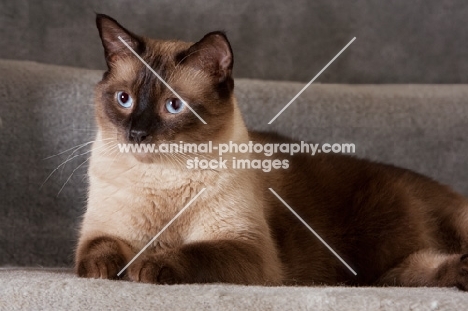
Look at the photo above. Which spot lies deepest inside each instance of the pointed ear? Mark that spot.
(110, 31)
(213, 54)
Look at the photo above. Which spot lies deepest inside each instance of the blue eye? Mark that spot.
(124, 99)
(174, 105)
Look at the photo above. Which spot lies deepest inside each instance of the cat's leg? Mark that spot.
(207, 262)
(429, 268)
(102, 257)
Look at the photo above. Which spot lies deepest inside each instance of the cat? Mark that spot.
(393, 226)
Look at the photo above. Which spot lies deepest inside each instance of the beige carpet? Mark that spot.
(35, 289)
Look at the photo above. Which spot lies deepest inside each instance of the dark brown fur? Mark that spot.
(393, 226)
(375, 216)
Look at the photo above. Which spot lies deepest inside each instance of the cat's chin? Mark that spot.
(148, 158)
(145, 158)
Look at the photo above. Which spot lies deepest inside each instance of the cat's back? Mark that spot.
(343, 174)
(373, 214)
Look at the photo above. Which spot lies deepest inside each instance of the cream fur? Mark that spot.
(132, 201)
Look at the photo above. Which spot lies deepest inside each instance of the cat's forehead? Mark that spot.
(161, 56)
(165, 58)
(169, 47)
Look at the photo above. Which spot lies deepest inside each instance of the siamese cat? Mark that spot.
(394, 227)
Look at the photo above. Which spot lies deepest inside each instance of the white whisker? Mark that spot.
(68, 160)
(72, 175)
(79, 146)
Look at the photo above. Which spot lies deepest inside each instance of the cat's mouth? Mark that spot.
(168, 154)
(145, 158)
(150, 152)
(143, 152)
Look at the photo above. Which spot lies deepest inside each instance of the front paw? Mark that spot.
(155, 269)
(100, 266)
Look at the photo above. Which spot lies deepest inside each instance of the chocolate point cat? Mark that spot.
(393, 226)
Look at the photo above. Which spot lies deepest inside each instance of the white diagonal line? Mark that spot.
(311, 81)
(160, 232)
(161, 79)
(312, 230)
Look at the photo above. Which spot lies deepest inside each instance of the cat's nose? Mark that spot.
(138, 136)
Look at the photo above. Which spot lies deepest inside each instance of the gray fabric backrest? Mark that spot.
(399, 41)
(47, 109)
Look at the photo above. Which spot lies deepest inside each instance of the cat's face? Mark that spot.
(134, 106)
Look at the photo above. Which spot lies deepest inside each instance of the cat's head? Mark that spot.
(134, 106)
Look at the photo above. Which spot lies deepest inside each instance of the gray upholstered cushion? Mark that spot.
(47, 109)
(58, 290)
